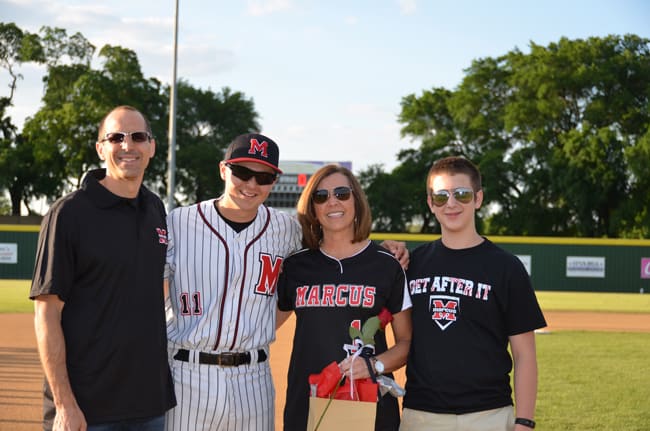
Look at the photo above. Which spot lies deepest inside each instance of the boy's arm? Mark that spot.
(525, 376)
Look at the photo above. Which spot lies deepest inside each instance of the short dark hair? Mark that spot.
(311, 230)
(100, 130)
(456, 165)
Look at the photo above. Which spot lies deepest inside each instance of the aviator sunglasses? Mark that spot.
(461, 194)
(341, 193)
(119, 137)
(245, 174)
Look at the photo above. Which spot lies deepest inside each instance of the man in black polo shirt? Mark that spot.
(98, 292)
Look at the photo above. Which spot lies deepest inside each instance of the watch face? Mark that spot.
(379, 366)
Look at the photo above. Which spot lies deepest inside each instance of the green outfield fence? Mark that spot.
(17, 250)
(554, 263)
(570, 264)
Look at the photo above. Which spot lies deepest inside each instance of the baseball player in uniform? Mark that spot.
(223, 262)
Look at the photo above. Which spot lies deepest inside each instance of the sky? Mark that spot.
(326, 76)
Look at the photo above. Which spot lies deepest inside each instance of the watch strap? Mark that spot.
(525, 422)
(371, 369)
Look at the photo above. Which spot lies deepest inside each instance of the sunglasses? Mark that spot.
(461, 194)
(245, 174)
(119, 137)
(341, 193)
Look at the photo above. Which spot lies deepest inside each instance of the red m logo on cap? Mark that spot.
(256, 147)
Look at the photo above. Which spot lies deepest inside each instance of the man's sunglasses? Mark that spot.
(119, 137)
(341, 193)
(461, 194)
(245, 174)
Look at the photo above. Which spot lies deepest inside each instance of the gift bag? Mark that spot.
(341, 415)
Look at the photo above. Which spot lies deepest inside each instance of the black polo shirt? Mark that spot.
(104, 256)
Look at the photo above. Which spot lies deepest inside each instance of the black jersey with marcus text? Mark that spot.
(328, 296)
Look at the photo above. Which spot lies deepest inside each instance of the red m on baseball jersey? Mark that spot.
(269, 273)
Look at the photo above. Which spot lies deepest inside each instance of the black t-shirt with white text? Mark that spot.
(466, 303)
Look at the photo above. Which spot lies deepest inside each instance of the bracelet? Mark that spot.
(525, 422)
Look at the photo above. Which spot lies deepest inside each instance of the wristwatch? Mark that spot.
(378, 365)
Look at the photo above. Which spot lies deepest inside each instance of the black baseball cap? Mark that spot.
(253, 147)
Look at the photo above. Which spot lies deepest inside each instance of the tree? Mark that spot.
(206, 123)
(57, 145)
(557, 133)
(62, 134)
(578, 105)
(634, 215)
(52, 132)
(77, 97)
(5, 206)
(18, 171)
(427, 118)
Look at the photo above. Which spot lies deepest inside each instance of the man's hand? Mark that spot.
(399, 250)
(69, 419)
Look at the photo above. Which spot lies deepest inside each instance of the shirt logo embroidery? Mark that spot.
(444, 309)
(162, 235)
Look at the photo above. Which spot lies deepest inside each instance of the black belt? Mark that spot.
(225, 359)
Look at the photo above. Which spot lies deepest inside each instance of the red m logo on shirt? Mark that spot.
(269, 273)
(444, 309)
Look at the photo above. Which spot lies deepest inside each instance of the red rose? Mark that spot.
(385, 317)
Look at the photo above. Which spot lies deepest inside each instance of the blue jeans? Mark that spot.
(148, 424)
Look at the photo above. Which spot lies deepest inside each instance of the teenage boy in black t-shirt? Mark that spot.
(470, 300)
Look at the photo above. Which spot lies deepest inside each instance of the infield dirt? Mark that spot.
(21, 376)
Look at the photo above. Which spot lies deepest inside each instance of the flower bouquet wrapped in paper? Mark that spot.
(337, 401)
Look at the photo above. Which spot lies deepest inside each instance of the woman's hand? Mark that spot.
(355, 368)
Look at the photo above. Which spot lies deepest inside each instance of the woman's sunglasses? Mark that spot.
(341, 193)
(245, 174)
(119, 137)
(461, 194)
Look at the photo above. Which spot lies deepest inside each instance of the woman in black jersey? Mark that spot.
(340, 279)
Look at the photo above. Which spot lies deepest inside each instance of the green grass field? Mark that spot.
(593, 381)
(587, 380)
(602, 302)
(14, 294)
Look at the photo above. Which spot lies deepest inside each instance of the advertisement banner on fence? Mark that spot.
(645, 267)
(8, 253)
(585, 266)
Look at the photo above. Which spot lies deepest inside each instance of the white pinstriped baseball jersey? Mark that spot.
(222, 283)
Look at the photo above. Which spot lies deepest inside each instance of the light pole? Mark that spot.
(171, 158)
